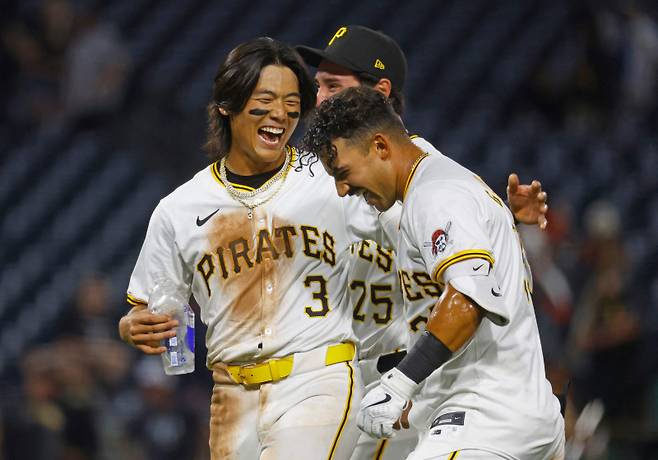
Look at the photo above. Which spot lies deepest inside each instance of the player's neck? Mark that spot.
(246, 165)
(409, 159)
(251, 180)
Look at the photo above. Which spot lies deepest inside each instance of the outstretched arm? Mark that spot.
(527, 202)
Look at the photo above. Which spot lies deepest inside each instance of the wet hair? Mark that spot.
(236, 79)
(396, 97)
(354, 114)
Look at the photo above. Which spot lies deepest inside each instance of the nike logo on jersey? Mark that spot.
(200, 222)
(385, 400)
(478, 267)
(495, 294)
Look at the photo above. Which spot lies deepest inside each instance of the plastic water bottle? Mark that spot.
(167, 299)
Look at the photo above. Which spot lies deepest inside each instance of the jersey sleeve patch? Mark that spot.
(450, 227)
(440, 240)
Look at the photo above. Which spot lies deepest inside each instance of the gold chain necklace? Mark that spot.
(412, 171)
(246, 199)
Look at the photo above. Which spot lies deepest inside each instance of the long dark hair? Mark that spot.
(236, 79)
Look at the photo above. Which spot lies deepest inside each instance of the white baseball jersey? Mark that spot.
(493, 393)
(376, 300)
(375, 289)
(267, 286)
(380, 326)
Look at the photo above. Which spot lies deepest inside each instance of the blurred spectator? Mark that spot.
(133, 416)
(640, 61)
(92, 370)
(605, 337)
(92, 317)
(32, 421)
(57, 405)
(36, 43)
(89, 328)
(165, 426)
(579, 83)
(604, 71)
(97, 64)
(79, 397)
(62, 62)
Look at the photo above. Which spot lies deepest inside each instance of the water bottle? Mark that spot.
(166, 298)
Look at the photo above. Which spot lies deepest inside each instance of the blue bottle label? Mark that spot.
(189, 337)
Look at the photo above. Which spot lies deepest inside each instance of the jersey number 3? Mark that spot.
(320, 294)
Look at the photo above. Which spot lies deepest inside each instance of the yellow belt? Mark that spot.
(280, 368)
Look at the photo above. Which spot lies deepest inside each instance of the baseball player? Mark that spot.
(355, 56)
(260, 247)
(481, 344)
(257, 240)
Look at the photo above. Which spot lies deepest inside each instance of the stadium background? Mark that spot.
(104, 112)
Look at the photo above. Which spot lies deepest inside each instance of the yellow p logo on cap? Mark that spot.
(339, 33)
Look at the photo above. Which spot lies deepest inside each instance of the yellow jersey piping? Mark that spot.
(458, 257)
(412, 173)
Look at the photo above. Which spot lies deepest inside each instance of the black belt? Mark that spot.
(387, 362)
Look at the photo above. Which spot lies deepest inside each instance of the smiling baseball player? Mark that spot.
(491, 397)
(256, 239)
(385, 324)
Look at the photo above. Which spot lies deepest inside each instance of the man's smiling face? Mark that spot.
(358, 168)
(262, 129)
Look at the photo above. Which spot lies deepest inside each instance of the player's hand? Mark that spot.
(527, 202)
(403, 421)
(145, 330)
(379, 411)
(386, 406)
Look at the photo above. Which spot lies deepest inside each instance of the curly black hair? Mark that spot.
(352, 114)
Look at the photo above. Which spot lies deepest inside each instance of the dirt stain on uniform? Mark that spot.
(224, 421)
(263, 398)
(255, 258)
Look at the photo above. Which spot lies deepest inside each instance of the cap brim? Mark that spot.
(311, 56)
(314, 56)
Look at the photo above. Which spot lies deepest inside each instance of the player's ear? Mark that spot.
(381, 145)
(384, 86)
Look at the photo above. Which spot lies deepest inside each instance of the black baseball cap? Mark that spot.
(361, 49)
